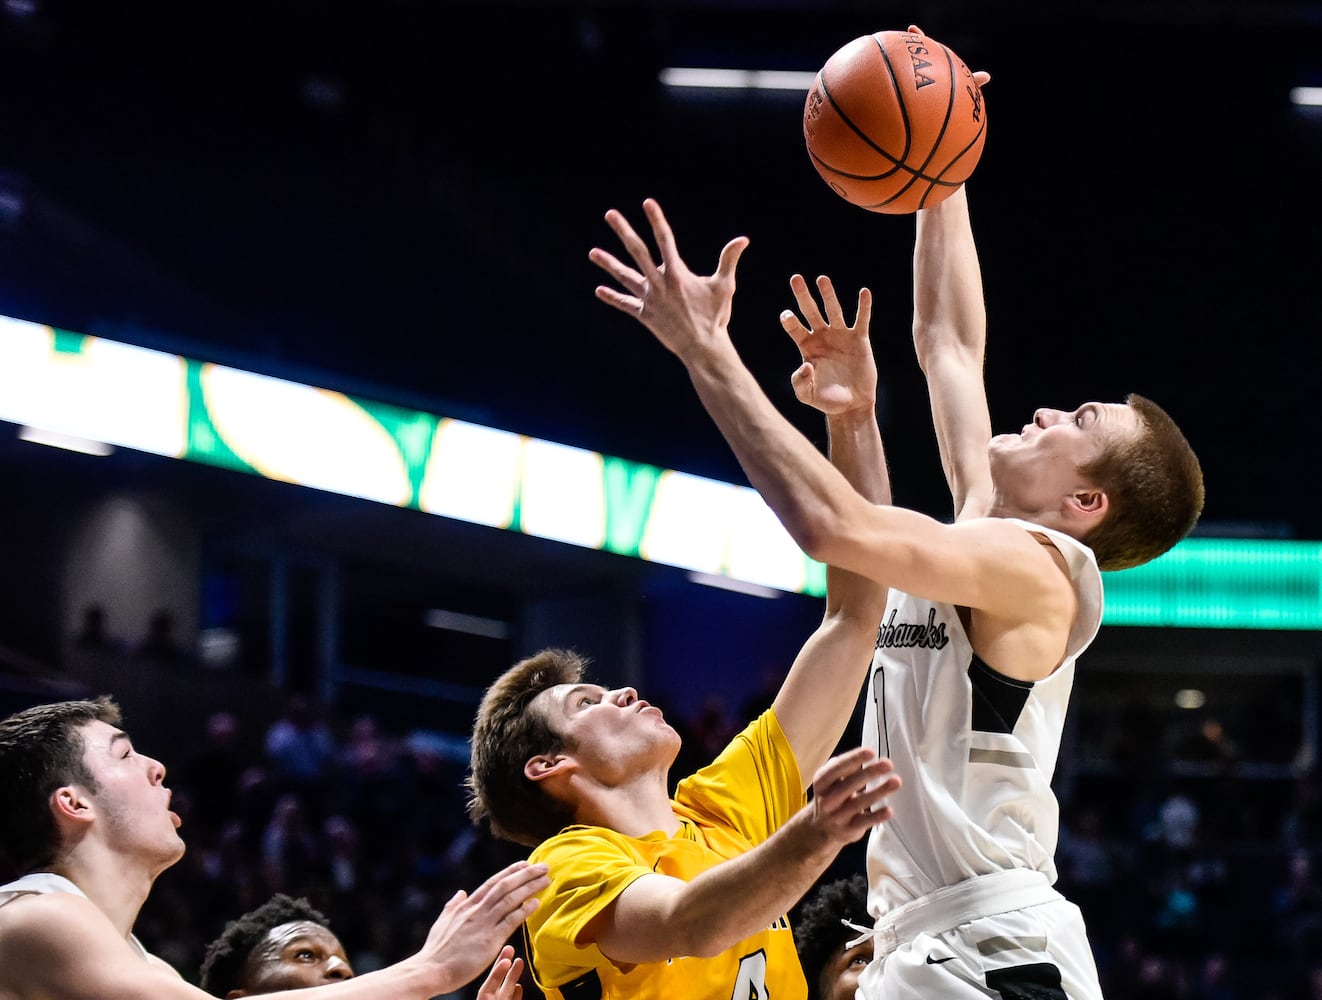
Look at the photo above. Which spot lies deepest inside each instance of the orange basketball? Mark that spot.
(894, 122)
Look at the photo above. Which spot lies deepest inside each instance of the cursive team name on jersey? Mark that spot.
(928, 634)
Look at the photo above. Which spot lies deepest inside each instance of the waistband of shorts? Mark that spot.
(952, 905)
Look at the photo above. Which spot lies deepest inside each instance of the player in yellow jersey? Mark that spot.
(653, 897)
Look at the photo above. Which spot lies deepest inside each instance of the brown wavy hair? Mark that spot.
(508, 733)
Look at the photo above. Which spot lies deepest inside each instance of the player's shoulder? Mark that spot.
(1002, 532)
(32, 916)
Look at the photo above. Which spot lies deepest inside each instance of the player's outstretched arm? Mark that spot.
(838, 376)
(63, 946)
(950, 338)
(688, 314)
(987, 567)
(659, 917)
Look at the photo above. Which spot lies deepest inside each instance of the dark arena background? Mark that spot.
(394, 201)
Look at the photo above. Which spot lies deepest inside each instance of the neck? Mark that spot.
(116, 885)
(634, 808)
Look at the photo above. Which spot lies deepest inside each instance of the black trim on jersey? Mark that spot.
(998, 700)
(1039, 981)
(585, 987)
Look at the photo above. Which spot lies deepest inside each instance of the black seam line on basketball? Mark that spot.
(904, 114)
(957, 157)
(932, 182)
(841, 173)
(930, 178)
(899, 98)
(945, 122)
(917, 173)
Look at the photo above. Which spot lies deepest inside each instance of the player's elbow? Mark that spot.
(816, 531)
(704, 946)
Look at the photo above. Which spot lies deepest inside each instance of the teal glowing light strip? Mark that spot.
(1222, 583)
(169, 405)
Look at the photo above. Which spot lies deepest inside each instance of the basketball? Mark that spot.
(894, 122)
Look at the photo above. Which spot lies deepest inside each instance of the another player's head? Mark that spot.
(821, 934)
(539, 729)
(67, 773)
(284, 944)
(1119, 476)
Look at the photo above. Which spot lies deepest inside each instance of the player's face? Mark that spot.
(1036, 468)
(613, 733)
(839, 976)
(132, 801)
(294, 956)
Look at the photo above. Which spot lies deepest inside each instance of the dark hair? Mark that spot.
(1154, 489)
(818, 931)
(223, 966)
(506, 735)
(42, 749)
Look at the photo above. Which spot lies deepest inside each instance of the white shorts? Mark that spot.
(1039, 952)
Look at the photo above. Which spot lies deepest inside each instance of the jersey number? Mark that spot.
(751, 983)
(879, 704)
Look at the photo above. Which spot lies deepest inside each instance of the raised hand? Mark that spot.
(838, 373)
(472, 929)
(849, 792)
(502, 982)
(981, 77)
(684, 310)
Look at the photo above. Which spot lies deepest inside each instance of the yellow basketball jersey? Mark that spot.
(725, 809)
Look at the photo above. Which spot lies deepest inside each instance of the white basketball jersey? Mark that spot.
(43, 882)
(976, 749)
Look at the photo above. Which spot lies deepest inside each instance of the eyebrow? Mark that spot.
(577, 688)
(119, 737)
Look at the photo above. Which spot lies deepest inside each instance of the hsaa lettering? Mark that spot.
(917, 46)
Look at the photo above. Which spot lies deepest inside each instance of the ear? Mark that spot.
(234, 994)
(1087, 505)
(544, 766)
(71, 803)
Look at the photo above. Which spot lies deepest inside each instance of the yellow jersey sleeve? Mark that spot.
(753, 787)
(589, 868)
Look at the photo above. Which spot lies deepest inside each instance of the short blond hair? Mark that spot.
(1154, 490)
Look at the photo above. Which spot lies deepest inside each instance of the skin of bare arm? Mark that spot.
(62, 946)
(987, 564)
(950, 339)
(838, 376)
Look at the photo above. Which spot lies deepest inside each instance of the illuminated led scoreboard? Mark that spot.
(100, 390)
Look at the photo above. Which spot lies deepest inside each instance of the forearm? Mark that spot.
(811, 498)
(407, 979)
(950, 335)
(857, 453)
(949, 311)
(732, 900)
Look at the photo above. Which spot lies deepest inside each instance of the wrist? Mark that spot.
(861, 417)
(813, 844)
(422, 977)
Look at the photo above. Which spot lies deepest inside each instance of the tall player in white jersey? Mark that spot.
(974, 666)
